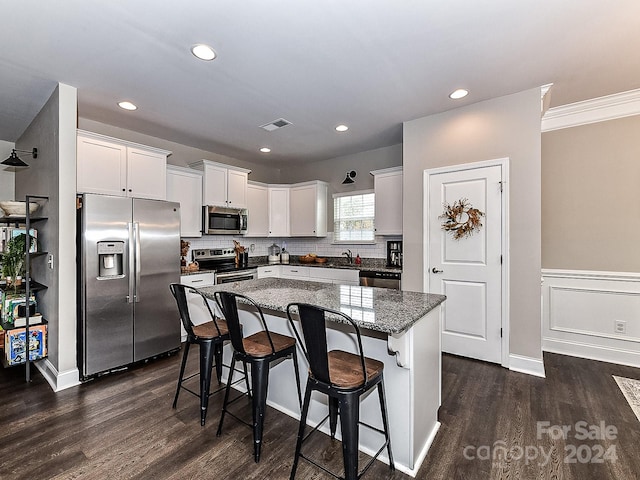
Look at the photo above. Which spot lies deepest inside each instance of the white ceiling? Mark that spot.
(371, 64)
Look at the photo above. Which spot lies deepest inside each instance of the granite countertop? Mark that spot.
(371, 264)
(381, 309)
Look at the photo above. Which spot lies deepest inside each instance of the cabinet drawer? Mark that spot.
(199, 280)
(272, 271)
(291, 271)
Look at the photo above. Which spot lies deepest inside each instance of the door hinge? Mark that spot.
(500, 333)
(501, 185)
(500, 259)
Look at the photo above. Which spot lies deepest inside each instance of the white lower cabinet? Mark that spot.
(293, 271)
(335, 275)
(272, 271)
(197, 309)
(341, 276)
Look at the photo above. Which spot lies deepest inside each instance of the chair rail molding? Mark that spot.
(582, 310)
(609, 107)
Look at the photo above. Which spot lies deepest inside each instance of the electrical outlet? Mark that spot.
(50, 260)
(620, 326)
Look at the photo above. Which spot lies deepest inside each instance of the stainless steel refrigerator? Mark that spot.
(129, 253)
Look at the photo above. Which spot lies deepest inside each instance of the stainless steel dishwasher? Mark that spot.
(372, 278)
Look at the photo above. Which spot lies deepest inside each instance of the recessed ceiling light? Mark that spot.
(265, 149)
(127, 105)
(459, 93)
(342, 128)
(203, 52)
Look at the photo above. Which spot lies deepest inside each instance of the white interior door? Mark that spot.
(468, 270)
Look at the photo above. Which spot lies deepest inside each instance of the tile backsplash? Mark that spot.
(294, 245)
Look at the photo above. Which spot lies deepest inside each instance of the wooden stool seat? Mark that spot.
(209, 330)
(345, 369)
(257, 345)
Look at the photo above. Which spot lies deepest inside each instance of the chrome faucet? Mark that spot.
(349, 255)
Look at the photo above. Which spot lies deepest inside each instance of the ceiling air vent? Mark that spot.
(275, 125)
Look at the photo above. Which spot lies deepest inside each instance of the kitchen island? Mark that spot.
(400, 329)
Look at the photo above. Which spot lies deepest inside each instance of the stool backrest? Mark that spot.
(179, 292)
(228, 304)
(314, 329)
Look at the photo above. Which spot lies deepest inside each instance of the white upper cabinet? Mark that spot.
(308, 209)
(184, 185)
(258, 210)
(223, 185)
(279, 211)
(387, 186)
(110, 166)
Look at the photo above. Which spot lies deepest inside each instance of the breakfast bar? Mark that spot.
(399, 328)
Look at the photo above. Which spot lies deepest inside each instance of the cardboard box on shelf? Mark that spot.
(15, 344)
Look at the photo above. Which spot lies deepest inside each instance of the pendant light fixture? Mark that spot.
(15, 161)
(349, 178)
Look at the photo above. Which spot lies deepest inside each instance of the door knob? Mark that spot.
(435, 270)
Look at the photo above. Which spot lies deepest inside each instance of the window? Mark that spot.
(353, 216)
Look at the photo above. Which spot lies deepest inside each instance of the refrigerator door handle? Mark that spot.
(132, 265)
(136, 230)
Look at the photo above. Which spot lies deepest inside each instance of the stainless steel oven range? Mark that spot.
(223, 262)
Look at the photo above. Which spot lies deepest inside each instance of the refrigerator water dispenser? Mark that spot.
(110, 256)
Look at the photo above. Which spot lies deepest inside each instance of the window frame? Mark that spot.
(353, 242)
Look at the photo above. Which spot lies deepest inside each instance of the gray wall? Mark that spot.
(334, 170)
(503, 127)
(7, 177)
(591, 195)
(52, 174)
(183, 155)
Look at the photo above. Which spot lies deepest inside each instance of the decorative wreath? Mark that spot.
(461, 219)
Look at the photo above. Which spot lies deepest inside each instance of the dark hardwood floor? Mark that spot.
(123, 426)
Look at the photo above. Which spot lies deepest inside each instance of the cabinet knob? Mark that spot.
(124, 189)
(129, 189)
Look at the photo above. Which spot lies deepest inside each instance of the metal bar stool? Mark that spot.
(210, 337)
(258, 350)
(344, 377)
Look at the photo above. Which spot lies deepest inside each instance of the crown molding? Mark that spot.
(610, 107)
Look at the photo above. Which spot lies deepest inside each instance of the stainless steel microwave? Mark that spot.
(221, 220)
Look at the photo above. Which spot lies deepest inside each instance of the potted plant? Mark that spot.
(13, 260)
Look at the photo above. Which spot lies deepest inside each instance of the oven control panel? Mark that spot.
(213, 254)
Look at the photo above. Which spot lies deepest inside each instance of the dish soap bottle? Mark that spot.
(358, 260)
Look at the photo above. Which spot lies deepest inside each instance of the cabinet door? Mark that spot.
(237, 189)
(279, 212)
(258, 208)
(102, 167)
(303, 211)
(186, 189)
(388, 193)
(308, 210)
(146, 174)
(215, 186)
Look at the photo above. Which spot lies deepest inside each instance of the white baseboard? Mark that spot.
(528, 365)
(421, 456)
(58, 381)
(592, 352)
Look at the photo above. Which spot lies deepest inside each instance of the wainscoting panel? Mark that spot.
(583, 312)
